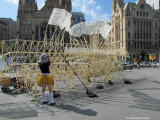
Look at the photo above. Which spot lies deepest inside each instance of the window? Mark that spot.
(137, 34)
(156, 25)
(150, 46)
(147, 34)
(129, 45)
(155, 45)
(134, 23)
(155, 36)
(134, 35)
(144, 35)
(140, 13)
(137, 13)
(138, 24)
(128, 23)
(146, 14)
(141, 45)
(128, 35)
(137, 45)
(64, 2)
(112, 39)
(113, 29)
(141, 35)
(134, 45)
(141, 24)
(147, 45)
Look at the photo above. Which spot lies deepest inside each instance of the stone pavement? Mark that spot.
(138, 101)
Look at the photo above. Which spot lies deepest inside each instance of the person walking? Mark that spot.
(45, 78)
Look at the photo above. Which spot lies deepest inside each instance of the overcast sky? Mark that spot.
(93, 9)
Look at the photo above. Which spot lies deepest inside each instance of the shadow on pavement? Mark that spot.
(16, 111)
(145, 101)
(87, 112)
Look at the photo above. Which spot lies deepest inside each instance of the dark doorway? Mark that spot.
(143, 55)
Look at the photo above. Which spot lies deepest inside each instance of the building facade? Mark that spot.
(135, 32)
(77, 17)
(32, 23)
(3, 30)
(11, 28)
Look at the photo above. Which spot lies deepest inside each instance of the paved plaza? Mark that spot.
(137, 101)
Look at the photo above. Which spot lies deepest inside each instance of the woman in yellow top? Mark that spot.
(45, 78)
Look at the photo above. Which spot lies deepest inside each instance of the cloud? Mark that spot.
(13, 1)
(98, 7)
(153, 2)
(90, 8)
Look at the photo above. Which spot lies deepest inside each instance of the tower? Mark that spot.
(64, 4)
(115, 3)
(26, 9)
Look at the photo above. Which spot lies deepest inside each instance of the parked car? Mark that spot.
(145, 64)
(127, 65)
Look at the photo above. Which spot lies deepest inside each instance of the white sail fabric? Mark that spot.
(90, 29)
(105, 31)
(61, 18)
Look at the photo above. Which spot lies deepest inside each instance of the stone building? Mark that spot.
(32, 23)
(135, 32)
(10, 28)
(3, 30)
